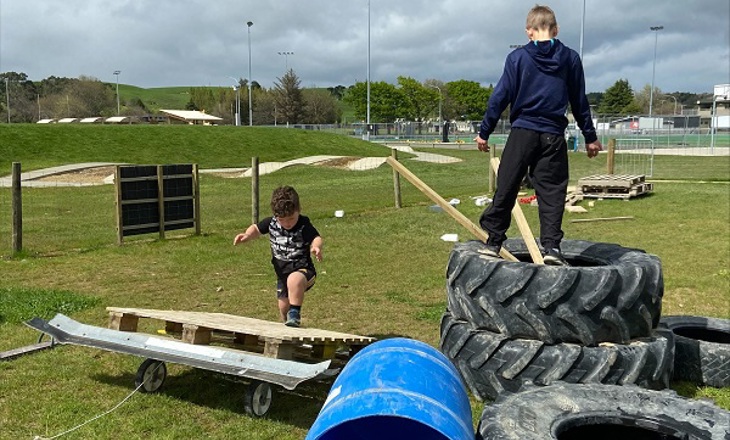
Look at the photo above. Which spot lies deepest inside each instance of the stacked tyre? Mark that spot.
(595, 322)
(549, 345)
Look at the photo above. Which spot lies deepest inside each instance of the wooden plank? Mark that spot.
(123, 322)
(522, 224)
(195, 334)
(278, 349)
(243, 325)
(446, 206)
(20, 351)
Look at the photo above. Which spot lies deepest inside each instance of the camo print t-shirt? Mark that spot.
(289, 247)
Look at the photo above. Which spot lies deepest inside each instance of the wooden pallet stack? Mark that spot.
(617, 186)
(271, 339)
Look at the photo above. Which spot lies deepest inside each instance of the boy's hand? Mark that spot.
(593, 148)
(317, 251)
(240, 238)
(482, 144)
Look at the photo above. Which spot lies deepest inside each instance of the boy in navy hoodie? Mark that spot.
(539, 80)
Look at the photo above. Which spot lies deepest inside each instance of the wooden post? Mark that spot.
(254, 190)
(161, 199)
(196, 198)
(446, 206)
(17, 208)
(492, 174)
(523, 226)
(611, 156)
(118, 188)
(396, 181)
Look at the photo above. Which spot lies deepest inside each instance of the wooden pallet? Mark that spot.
(272, 339)
(621, 186)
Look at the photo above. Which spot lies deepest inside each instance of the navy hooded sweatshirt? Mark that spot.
(540, 80)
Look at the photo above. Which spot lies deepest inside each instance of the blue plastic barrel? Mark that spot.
(396, 389)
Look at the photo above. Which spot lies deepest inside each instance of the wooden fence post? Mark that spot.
(161, 199)
(254, 190)
(611, 156)
(196, 198)
(396, 181)
(17, 208)
(492, 175)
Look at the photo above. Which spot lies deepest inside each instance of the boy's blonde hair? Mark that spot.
(542, 17)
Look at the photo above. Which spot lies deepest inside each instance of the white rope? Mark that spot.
(38, 437)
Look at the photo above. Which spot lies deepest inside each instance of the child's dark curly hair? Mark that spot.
(284, 201)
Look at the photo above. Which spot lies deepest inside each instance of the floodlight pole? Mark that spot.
(117, 72)
(237, 89)
(656, 30)
(250, 80)
(286, 59)
(367, 121)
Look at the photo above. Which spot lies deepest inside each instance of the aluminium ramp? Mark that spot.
(285, 373)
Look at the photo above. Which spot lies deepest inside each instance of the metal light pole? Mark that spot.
(250, 101)
(237, 88)
(286, 59)
(367, 128)
(656, 30)
(117, 72)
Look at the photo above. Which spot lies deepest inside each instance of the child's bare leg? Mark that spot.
(283, 308)
(296, 283)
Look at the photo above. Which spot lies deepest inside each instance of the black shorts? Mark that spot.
(283, 292)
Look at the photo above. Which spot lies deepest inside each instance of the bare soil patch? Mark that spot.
(86, 175)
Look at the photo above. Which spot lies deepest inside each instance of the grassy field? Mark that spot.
(158, 97)
(382, 274)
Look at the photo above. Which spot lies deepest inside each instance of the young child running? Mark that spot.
(540, 79)
(293, 239)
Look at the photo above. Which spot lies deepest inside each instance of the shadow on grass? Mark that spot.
(298, 407)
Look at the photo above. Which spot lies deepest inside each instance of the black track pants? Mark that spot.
(545, 155)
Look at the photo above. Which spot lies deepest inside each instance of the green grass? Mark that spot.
(382, 274)
(40, 146)
(156, 98)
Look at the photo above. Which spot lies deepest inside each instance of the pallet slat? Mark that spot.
(272, 338)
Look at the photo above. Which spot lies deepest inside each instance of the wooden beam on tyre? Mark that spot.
(522, 224)
(453, 212)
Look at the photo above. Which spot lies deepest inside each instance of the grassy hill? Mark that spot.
(158, 97)
(39, 146)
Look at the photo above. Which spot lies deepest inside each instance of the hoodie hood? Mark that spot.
(547, 55)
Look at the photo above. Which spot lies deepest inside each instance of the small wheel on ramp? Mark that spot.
(258, 398)
(150, 376)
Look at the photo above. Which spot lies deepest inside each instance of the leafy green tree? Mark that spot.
(203, 99)
(617, 98)
(420, 101)
(320, 107)
(467, 100)
(387, 103)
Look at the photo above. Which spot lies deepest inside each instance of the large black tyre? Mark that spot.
(609, 294)
(601, 412)
(492, 364)
(702, 349)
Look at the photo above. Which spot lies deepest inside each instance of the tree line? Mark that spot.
(288, 103)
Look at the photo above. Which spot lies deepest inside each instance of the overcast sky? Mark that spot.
(159, 43)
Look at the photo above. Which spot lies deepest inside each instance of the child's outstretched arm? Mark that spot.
(252, 233)
(316, 247)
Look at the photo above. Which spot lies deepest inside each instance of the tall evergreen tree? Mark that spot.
(289, 98)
